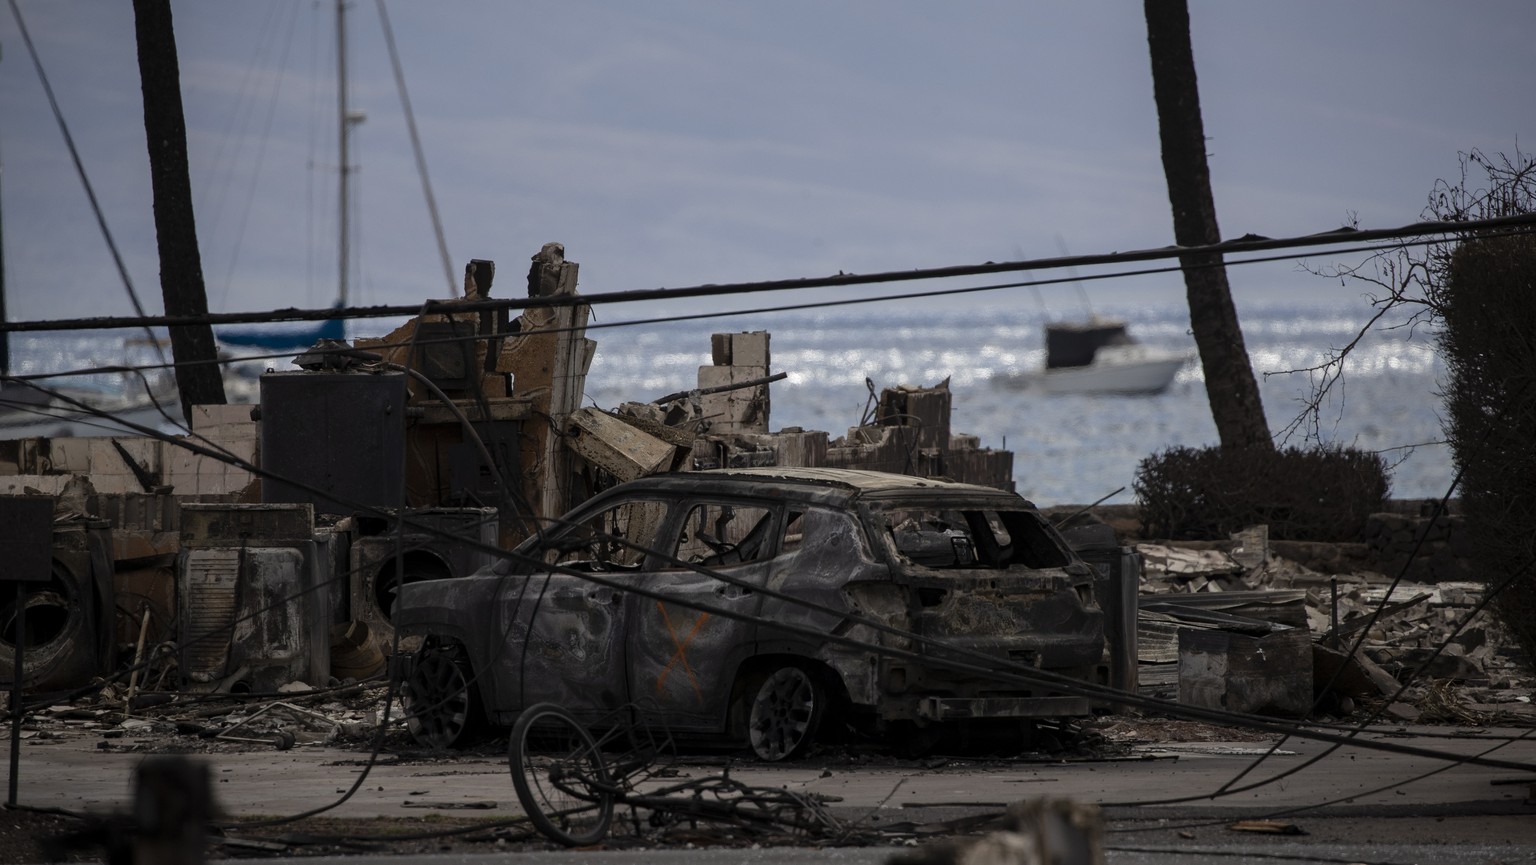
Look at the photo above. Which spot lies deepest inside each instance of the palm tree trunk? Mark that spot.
(181, 267)
(1229, 382)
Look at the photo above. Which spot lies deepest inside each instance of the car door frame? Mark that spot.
(670, 644)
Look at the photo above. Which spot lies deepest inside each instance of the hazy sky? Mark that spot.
(678, 143)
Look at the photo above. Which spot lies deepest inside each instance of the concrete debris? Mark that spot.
(1186, 590)
(622, 449)
(176, 571)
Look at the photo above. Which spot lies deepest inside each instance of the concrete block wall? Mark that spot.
(738, 357)
(222, 427)
(108, 468)
(45, 464)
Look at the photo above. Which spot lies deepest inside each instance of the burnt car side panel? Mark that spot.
(832, 552)
(681, 660)
(460, 611)
(952, 565)
(575, 645)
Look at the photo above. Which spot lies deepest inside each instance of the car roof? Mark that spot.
(829, 484)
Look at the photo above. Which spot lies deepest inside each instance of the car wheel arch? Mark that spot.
(755, 669)
(478, 717)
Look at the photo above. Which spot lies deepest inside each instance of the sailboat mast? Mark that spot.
(5, 336)
(343, 252)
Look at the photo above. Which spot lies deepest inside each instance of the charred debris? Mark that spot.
(263, 550)
(264, 559)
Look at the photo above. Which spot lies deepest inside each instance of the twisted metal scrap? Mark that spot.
(723, 800)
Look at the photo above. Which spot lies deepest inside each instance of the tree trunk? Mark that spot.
(181, 268)
(1229, 383)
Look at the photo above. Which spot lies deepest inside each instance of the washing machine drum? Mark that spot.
(61, 621)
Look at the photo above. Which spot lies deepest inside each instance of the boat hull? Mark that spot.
(1137, 377)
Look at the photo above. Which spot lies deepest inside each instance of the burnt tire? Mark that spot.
(60, 623)
(784, 713)
(442, 704)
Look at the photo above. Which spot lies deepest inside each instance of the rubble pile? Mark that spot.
(1470, 673)
(154, 723)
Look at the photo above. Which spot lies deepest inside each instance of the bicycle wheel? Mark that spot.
(560, 777)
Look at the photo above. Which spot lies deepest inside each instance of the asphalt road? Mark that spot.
(1462, 814)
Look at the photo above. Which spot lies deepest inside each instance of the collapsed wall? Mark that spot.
(724, 423)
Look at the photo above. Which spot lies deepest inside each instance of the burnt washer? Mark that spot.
(642, 609)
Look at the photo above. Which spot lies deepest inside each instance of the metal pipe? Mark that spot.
(138, 659)
(1333, 591)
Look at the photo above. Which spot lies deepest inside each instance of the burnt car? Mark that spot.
(738, 603)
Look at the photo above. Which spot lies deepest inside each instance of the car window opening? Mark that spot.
(716, 535)
(951, 539)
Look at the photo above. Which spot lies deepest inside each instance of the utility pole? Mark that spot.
(181, 269)
(1229, 383)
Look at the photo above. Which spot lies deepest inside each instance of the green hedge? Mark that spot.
(1313, 494)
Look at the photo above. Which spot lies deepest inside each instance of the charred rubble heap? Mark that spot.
(1263, 626)
(274, 563)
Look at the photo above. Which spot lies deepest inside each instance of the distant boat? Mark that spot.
(1099, 357)
(293, 337)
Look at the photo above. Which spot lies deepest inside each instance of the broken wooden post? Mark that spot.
(548, 357)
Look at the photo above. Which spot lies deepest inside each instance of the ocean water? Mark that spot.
(1068, 449)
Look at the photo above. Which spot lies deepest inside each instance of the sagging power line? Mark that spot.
(1248, 243)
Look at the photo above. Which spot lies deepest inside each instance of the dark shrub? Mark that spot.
(1313, 494)
(1486, 299)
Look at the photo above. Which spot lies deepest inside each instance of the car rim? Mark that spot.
(784, 714)
(437, 700)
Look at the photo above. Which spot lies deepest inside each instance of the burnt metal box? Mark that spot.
(1268, 675)
(445, 353)
(225, 524)
(26, 538)
(336, 440)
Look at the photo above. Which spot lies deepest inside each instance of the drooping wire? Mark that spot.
(1407, 236)
(85, 180)
(991, 668)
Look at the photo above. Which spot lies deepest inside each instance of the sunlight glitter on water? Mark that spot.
(1067, 449)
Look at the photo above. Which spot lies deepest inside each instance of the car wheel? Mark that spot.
(441, 703)
(785, 712)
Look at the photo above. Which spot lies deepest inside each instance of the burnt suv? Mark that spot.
(749, 603)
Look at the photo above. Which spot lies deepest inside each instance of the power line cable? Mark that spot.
(85, 180)
(1354, 649)
(1514, 224)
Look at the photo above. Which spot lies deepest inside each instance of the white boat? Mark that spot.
(1100, 357)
